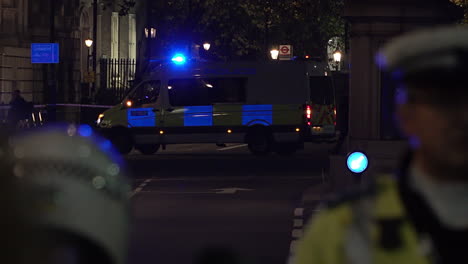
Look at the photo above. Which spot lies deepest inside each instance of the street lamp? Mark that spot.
(274, 54)
(150, 33)
(337, 58)
(206, 46)
(89, 44)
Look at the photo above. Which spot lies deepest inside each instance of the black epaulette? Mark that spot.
(352, 195)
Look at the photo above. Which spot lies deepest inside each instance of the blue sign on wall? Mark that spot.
(44, 53)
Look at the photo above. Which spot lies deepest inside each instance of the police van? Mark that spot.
(271, 106)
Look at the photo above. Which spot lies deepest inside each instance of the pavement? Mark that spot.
(193, 198)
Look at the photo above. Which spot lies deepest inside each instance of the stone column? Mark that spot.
(371, 127)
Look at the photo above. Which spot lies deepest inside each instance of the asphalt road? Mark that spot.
(191, 198)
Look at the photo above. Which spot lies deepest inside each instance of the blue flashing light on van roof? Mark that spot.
(179, 59)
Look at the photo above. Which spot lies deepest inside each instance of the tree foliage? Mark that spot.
(124, 6)
(248, 29)
(464, 5)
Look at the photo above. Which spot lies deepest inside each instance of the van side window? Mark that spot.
(188, 92)
(321, 90)
(227, 90)
(147, 93)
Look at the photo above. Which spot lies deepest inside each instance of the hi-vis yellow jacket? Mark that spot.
(352, 233)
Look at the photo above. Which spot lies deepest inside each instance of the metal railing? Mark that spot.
(117, 76)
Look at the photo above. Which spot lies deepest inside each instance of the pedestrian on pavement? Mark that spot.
(80, 195)
(19, 109)
(420, 214)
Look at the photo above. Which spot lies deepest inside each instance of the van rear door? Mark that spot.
(322, 98)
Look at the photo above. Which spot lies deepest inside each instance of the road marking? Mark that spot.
(293, 246)
(231, 190)
(299, 212)
(246, 178)
(233, 147)
(213, 191)
(296, 233)
(139, 188)
(298, 222)
(162, 192)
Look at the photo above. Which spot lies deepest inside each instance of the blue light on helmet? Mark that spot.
(85, 130)
(179, 59)
(357, 162)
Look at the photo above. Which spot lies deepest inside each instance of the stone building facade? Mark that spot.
(372, 126)
(23, 22)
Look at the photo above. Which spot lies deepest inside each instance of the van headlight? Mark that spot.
(100, 117)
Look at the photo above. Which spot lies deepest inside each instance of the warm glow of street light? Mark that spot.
(150, 33)
(337, 56)
(89, 43)
(206, 46)
(274, 54)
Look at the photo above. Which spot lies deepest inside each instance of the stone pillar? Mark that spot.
(371, 122)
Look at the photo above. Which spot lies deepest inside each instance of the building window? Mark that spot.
(115, 35)
(132, 37)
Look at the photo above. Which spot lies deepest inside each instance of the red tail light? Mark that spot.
(308, 114)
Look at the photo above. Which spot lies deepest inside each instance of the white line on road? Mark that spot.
(293, 245)
(163, 192)
(244, 178)
(139, 188)
(298, 222)
(233, 147)
(298, 211)
(296, 233)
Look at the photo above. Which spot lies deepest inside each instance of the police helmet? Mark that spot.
(443, 49)
(433, 63)
(78, 184)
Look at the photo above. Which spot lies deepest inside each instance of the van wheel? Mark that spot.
(286, 149)
(148, 149)
(122, 140)
(259, 141)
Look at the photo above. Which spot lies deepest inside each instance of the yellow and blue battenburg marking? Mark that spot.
(198, 116)
(217, 115)
(257, 114)
(141, 117)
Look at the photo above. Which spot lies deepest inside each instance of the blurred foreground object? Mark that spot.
(15, 243)
(420, 214)
(79, 191)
